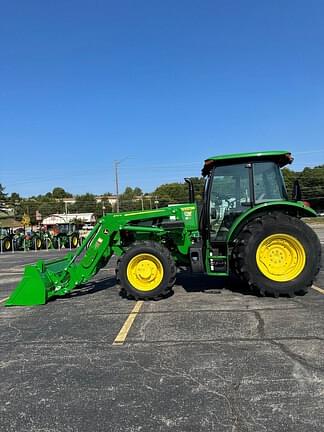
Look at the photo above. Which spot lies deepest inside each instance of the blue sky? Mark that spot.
(164, 84)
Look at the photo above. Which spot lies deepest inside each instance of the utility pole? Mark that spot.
(117, 185)
(117, 163)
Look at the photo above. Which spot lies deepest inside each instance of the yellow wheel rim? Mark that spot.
(145, 272)
(281, 257)
(7, 245)
(74, 241)
(38, 243)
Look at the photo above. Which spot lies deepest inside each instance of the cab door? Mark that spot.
(229, 195)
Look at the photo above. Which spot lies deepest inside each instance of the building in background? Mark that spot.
(57, 219)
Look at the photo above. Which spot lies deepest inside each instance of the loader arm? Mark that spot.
(47, 279)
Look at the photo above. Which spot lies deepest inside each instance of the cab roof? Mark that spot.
(281, 157)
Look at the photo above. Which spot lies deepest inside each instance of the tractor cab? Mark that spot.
(236, 183)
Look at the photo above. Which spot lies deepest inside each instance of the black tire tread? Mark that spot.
(173, 271)
(74, 235)
(253, 227)
(4, 241)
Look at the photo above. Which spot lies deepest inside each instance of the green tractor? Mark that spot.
(246, 225)
(33, 240)
(27, 240)
(20, 239)
(65, 236)
(60, 236)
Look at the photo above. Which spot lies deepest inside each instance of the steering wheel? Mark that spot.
(230, 200)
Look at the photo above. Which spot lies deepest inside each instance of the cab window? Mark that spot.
(229, 196)
(268, 182)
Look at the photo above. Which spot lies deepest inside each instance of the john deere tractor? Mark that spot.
(63, 236)
(245, 225)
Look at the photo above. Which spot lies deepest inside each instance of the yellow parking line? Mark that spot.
(318, 289)
(122, 335)
(3, 300)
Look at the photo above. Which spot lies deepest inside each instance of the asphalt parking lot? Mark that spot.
(210, 357)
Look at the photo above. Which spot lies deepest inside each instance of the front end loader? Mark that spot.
(246, 225)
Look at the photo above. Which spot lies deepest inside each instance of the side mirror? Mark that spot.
(296, 191)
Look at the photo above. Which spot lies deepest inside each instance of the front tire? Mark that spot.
(36, 243)
(74, 241)
(277, 254)
(146, 271)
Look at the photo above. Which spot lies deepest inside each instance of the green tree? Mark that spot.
(312, 182)
(14, 197)
(14, 202)
(48, 206)
(129, 199)
(171, 193)
(198, 184)
(137, 191)
(289, 177)
(29, 207)
(84, 204)
(43, 203)
(87, 204)
(103, 207)
(60, 193)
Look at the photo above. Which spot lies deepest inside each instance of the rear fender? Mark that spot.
(297, 209)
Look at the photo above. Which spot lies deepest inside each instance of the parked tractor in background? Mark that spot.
(27, 240)
(33, 240)
(60, 236)
(246, 225)
(64, 236)
(20, 240)
(84, 231)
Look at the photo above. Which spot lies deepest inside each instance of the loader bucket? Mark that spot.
(38, 283)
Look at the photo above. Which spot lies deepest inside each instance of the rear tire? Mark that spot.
(6, 244)
(47, 243)
(55, 243)
(277, 254)
(146, 271)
